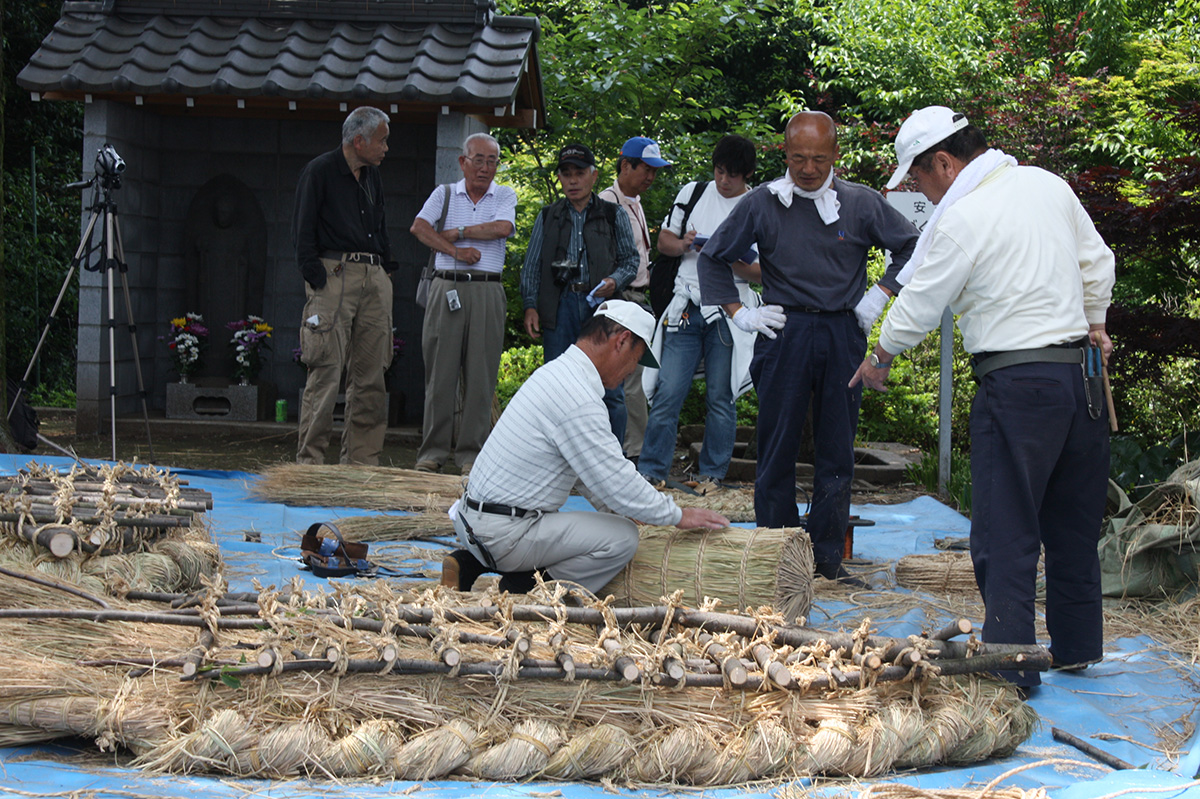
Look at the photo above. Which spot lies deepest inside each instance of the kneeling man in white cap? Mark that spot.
(555, 433)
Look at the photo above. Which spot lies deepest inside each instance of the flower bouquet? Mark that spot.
(249, 340)
(185, 342)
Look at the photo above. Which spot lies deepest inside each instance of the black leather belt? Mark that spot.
(579, 288)
(354, 257)
(462, 275)
(499, 510)
(810, 309)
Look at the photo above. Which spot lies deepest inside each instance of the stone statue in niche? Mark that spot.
(225, 255)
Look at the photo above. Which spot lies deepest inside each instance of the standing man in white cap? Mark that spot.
(553, 434)
(1013, 253)
(637, 166)
(814, 233)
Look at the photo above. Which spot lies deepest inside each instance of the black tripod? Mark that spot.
(112, 259)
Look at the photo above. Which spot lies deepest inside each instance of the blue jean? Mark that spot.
(573, 311)
(681, 352)
(813, 359)
(1039, 478)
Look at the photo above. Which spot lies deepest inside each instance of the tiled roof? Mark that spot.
(107, 48)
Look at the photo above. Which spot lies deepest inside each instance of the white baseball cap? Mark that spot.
(634, 318)
(922, 130)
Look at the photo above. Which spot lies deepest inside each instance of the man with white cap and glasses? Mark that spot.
(1015, 256)
(554, 434)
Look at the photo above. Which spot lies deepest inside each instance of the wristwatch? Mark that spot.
(462, 232)
(873, 359)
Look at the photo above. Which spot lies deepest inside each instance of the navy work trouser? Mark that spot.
(1039, 475)
(812, 359)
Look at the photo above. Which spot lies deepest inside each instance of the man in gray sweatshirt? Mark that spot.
(814, 233)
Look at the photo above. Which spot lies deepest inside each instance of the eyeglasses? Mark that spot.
(480, 161)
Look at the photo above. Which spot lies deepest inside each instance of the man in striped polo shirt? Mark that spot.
(463, 334)
(554, 434)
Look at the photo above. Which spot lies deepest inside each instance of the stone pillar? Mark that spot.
(452, 130)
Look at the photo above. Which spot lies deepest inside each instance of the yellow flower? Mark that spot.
(263, 327)
(180, 322)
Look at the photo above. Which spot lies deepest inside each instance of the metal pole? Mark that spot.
(37, 301)
(945, 398)
(110, 266)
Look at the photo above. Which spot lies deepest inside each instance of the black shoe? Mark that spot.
(460, 570)
(518, 582)
(837, 573)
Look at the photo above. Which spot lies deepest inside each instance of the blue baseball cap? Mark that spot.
(645, 149)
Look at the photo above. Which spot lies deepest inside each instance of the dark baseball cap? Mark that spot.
(576, 155)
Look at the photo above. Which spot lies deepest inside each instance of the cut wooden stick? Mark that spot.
(50, 583)
(953, 630)
(1091, 751)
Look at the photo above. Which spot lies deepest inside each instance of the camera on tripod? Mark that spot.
(109, 166)
(109, 161)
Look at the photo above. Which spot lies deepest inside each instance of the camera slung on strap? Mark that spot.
(565, 272)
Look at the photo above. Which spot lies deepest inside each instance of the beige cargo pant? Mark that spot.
(352, 332)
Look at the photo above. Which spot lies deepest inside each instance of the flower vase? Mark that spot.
(183, 379)
(243, 381)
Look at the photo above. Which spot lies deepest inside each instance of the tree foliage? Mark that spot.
(41, 155)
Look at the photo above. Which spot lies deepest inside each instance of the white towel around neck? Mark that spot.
(825, 197)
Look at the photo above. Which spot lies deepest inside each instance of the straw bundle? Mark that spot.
(369, 665)
(745, 568)
(735, 504)
(418, 526)
(195, 558)
(830, 747)
(593, 753)
(370, 487)
(369, 749)
(673, 757)
(435, 753)
(526, 752)
(283, 751)
(211, 747)
(762, 751)
(942, 573)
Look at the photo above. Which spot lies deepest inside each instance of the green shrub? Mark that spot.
(45, 396)
(958, 484)
(694, 411)
(516, 365)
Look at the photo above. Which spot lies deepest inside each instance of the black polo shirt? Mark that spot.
(334, 212)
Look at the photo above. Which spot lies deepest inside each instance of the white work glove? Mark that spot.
(870, 307)
(765, 319)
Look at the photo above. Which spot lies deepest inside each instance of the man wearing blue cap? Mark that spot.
(637, 166)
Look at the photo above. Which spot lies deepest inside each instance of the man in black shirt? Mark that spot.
(343, 253)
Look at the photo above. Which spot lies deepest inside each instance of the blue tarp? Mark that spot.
(1136, 693)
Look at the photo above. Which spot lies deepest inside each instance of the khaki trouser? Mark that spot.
(584, 547)
(353, 333)
(460, 345)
